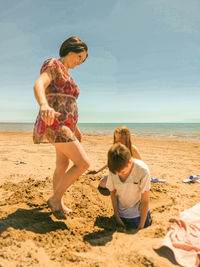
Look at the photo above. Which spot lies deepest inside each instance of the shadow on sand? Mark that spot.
(31, 220)
(167, 253)
(109, 226)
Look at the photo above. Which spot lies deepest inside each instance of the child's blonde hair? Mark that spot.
(126, 136)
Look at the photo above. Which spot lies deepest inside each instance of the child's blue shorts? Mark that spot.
(134, 222)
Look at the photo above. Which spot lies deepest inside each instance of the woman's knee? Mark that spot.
(75, 152)
(85, 164)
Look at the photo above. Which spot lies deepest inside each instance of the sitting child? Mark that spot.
(122, 135)
(129, 185)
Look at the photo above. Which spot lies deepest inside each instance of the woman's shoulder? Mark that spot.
(50, 63)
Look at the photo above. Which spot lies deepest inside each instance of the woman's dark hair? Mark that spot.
(72, 44)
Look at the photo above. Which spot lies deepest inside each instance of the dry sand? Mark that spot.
(31, 236)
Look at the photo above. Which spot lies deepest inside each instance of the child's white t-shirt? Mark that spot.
(129, 192)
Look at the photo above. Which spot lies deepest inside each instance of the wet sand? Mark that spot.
(31, 236)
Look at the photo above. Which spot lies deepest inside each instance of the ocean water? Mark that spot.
(182, 131)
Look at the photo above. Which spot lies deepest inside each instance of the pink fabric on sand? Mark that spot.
(184, 237)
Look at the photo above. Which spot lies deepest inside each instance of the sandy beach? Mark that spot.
(31, 236)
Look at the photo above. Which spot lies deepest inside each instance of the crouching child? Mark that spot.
(129, 185)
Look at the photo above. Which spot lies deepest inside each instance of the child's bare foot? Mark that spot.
(56, 208)
(65, 209)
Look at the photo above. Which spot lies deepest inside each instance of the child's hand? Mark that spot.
(140, 227)
(119, 221)
(92, 172)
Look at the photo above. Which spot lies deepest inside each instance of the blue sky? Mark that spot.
(143, 64)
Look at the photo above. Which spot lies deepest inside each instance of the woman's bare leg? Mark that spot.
(75, 152)
(62, 163)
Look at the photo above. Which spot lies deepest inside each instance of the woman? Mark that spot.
(56, 93)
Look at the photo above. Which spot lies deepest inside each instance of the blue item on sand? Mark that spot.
(156, 180)
(192, 179)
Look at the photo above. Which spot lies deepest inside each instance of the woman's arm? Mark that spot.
(47, 113)
(144, 209)
(115, 207)
(136, 153)
(78, 134)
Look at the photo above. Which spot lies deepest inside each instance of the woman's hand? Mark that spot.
(48, 114)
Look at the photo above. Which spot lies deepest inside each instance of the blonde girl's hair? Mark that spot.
(126, 136)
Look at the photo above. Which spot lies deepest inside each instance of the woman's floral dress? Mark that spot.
(61, 95)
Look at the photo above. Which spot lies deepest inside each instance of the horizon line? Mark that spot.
(32, 122)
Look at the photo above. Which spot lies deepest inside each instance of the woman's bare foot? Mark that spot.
(65, 209)
(56, 208)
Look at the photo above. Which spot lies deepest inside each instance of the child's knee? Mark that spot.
(103, 181)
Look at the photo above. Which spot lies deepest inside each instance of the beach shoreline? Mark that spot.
(31, 236)
(171, 131)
